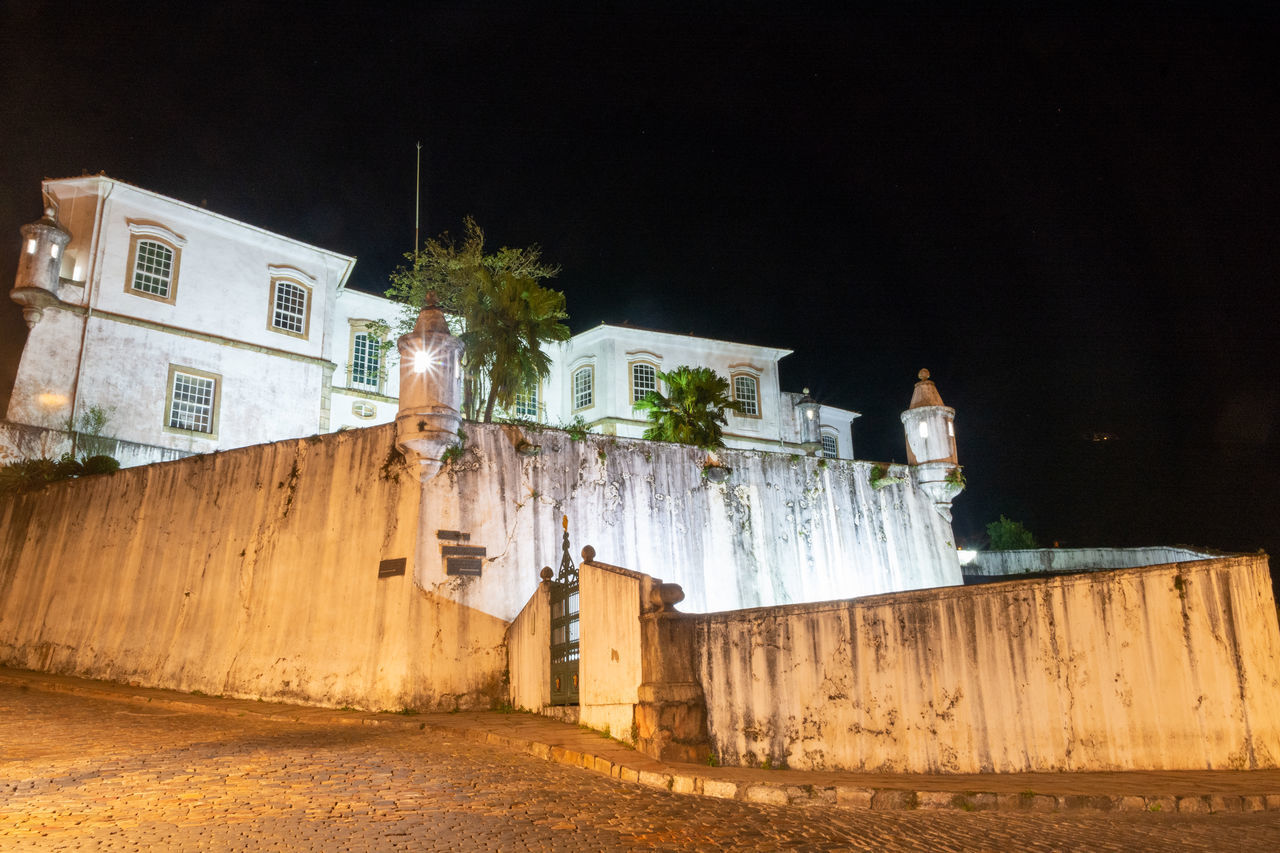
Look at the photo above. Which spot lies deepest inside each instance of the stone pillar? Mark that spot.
(671, 714)
(430, 391)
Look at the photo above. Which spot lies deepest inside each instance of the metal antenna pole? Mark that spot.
(417, 192)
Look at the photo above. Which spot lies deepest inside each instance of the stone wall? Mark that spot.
(781, 529)
(610, 649)
(254, 572)
(1164, 667)
(1032, 560)
(20, 441)
(529, 653)
(250, 573)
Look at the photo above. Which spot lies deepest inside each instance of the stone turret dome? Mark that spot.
(925, 393)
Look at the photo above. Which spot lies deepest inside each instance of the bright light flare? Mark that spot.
(426, 361)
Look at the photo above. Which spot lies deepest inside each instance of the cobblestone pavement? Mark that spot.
(78, 773)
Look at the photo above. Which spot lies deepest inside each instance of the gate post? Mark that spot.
(671, 715)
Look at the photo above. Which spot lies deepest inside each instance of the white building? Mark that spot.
(598, 375)
(193, 332)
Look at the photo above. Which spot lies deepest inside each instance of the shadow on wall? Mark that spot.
(13, 337)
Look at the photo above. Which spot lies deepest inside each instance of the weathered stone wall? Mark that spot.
(529, 652)
(20, 441)
(781, 529)
(1030, 560)
(249, 573)
(610, 649)
(1165, 667)
(255, 571)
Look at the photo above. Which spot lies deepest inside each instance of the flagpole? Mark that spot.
(417, 192)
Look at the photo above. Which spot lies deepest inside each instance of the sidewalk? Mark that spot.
(1198, 791)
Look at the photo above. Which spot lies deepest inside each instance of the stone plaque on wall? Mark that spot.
(391, 568)
(462, 559)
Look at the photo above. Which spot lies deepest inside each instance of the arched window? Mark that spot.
(153, 269)
(746, 392)
(583, 387)
(366, 361)
(830, 445)
(644, 378)
(290, 305)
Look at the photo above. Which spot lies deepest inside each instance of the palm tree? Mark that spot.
(504, 313)
(507, 319)
(693, 410)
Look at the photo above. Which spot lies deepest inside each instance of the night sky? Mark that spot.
(1070, 218)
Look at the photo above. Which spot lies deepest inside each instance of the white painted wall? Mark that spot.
(782, 529)
(1171, 667)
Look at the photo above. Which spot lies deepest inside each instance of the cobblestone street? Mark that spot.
(79, 773)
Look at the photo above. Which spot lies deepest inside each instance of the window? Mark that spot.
(830, 445)
(644, 378)
(155, 266)
(744, 391)
(290, 307)
(363, 409)
(192, 406)
(527, 404)
(583, 387)
(366, 361)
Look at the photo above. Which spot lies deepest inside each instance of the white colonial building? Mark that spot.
(193, 332)
(601, 373)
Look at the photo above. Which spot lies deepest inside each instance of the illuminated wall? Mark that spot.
(260, 571)
(1163, 667)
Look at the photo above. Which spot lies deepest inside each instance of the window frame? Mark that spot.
(590, 371)
(361, 327)
(824, 434)
(631, 378)
(755, 384)
(276, 281)
(215, 404)
(534, 391)
(135, 246)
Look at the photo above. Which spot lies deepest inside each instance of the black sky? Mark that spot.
(1068, 215)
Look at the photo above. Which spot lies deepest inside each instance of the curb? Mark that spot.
(765, 793)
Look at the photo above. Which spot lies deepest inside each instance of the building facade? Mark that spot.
(184, 331)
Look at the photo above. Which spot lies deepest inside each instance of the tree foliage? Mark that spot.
(504, 314)
(1008, 535)
(692, 411)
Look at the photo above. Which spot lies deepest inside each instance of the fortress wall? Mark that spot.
(254, 571)
(1164, 667)
(1025, 561)
(781, 529)
(250, 573)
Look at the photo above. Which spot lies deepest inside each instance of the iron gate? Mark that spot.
(564, 628)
